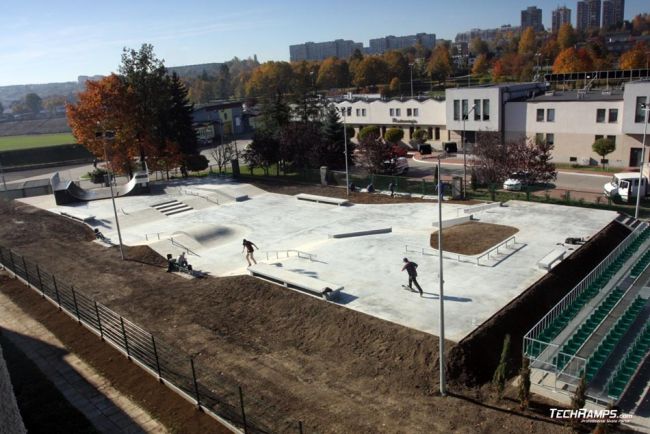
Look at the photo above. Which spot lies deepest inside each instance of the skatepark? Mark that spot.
(356, 247)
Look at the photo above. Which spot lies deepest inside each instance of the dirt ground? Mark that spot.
(472, 238)
(335, 369)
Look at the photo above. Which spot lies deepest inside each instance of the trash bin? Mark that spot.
(450, 147)
(424, 149)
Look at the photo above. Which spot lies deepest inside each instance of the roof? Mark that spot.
(600, 95)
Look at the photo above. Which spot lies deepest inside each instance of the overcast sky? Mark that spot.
(54, 41)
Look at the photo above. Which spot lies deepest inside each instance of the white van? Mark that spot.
(626, 185)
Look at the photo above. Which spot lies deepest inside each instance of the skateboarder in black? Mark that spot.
(411, 269)
(248, 246)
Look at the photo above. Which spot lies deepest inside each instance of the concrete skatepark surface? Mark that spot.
(368, 267)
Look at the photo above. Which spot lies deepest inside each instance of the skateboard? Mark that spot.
(408, 289)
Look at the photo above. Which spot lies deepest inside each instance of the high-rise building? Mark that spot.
(588, 14)
(381, 45)
(532, 17)
(485, 34)
(561, 15)
(613, 11)
(322, 50)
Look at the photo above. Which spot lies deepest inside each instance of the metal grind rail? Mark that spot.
(220, 397)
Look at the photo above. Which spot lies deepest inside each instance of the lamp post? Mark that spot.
(106, 136)
(2, 173)
(465, 116)
(646, 109)
(441, 340)
(345, 140)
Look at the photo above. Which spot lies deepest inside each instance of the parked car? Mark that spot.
(516, 181)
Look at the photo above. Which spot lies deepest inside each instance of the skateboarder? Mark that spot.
(391, 188)
(411, 269)
(248, 246)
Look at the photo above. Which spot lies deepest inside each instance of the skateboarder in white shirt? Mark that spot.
(411, 269)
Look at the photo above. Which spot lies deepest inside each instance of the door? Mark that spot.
(635, 157)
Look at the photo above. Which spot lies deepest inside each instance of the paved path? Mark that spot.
(106, 408)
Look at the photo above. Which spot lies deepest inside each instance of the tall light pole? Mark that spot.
(465, 116)
(106, 136)
(411, 66)
(345, 140)
(644, 107)
(2, 173)
(441, 349)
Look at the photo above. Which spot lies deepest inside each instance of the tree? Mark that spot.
(478, 47)
(572, 60)
(481, 65)
(299, 144)
(636, 58)
(538, 163)
(333, 73)
(501, 372)
(602, 147)
(223, 155)
(332, 150)
(196, 162)
(579, 399)
(394, 86)
(394, 135)
(439, 66)
(270, 80)
(566, 36)
(370, 130)
(524, 384)
(263, 151)
(396, 65)
(420, 136)
(33, 103)
(372, 153)
(371, 71)
(527, 42)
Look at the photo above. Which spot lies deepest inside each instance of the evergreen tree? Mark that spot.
(524, 383)
(501, 372)
(332, 151)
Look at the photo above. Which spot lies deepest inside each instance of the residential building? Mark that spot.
(532, 17)
(220, 118)
(613, 11)
(588, 14)
(381, 45)
(322, 50)
(485, 34)
(560, 16)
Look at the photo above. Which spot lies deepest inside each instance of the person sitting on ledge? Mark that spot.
(370, 188)
(171, 263)
(182, 261)
(100, 236)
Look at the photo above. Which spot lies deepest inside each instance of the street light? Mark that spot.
(441, 340)
(465, 116)
(107, 136)
(345, 139)
(646, 109)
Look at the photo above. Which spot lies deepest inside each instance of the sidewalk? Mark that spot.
(92, 394)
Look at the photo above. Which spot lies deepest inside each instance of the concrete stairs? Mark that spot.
(172, 207)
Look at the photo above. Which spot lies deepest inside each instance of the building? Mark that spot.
(218, 119)
(532, 17)
(485, 34)
(588, 14)
(322, 50)
(560, 16)
(613, 11)
(381, 45)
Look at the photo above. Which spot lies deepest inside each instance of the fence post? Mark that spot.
(196, 385)
(423, 187)
(56, 290)
(99, 322)
(243, 413)
(40, 281)
(155, 353)
(25, 268)
(126, 342)
(13, 263)
(300, 426)
(76, 307)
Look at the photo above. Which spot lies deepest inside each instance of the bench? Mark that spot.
(293, 280)
(76, 216)
(547, 261)
(323, 199)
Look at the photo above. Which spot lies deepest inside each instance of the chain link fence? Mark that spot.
(217, 396)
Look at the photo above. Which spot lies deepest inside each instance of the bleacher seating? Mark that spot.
(606, 346)
(629, 364)
(641, 265)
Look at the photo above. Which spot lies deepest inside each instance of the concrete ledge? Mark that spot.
(323, 199)
(453, 222)
(362, 233)
(479, 208)
(291, 279)
(76, 216)
(554, 255)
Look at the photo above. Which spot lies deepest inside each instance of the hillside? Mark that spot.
(36, 126)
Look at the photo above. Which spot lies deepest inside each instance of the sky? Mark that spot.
(54, 41)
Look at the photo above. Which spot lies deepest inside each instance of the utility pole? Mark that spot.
(441, 349)
(646, 110)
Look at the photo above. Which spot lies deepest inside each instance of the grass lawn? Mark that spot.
(596, 169)
(9, 143)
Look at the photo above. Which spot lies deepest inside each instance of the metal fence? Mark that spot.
(217, 396)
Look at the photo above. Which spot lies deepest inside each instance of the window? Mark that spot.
(349, 111)
(539, 137)
(486, 109)
(600, 115)
(550, 115)
(550, 139)
(465, 108)
(612, 138)
(398, 112)
(599, 136)
(540, 115)
(477, 109)
(358, 112)
(437, 136)
(409, 112)
(225, 116)
(416, 112)
(392, 112)
(363, 112)
(613, 116)
(456, 110)
(573, 159)
(639, 112)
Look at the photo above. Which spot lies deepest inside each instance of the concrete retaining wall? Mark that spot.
(362, 233)
(10, 420)
(453, 222)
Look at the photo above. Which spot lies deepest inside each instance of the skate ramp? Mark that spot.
(66, 192)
